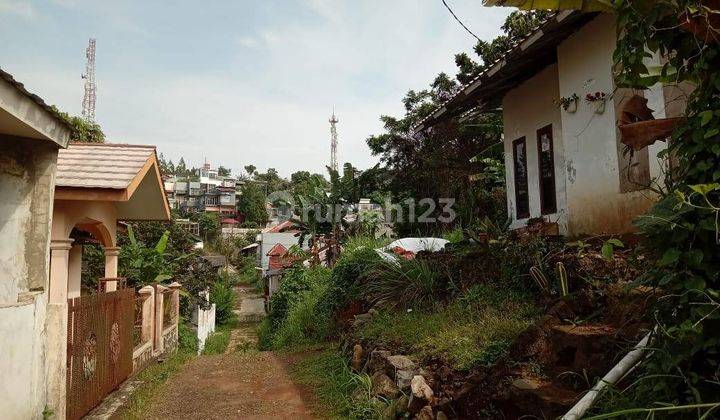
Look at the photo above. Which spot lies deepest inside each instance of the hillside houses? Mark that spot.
(206, 191)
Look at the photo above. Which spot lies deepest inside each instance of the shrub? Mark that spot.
(350, 271)
(407, 283)
(223, 296)
(305, 323)
(464, 334)
(295, 281)
(187, 339)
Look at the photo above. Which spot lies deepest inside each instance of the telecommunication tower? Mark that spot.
(88, 105)
(333, 141)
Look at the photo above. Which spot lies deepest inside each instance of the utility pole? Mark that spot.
(88, 105)
(333, 141)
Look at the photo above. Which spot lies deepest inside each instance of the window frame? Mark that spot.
(544, 210)
(525, 214)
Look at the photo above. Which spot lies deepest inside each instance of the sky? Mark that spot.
(240, 82)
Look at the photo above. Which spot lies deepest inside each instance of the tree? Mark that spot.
(250, 169)
(272, 180)
(209, 224)
(181, 168)
(82, 131)
(301, 182)
(223, 171)
(251, 203)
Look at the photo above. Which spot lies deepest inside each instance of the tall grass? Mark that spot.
(341, 393)
(407, 283)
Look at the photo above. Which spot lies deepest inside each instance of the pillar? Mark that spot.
(57, 321)
(175, 287)
(111, 266)
(75, 271)
(158, 347)
(148, 316)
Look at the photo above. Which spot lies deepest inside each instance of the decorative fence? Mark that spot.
(204, 321)
(156, 323)
(100, 342)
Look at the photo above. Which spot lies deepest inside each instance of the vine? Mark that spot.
(683, 369)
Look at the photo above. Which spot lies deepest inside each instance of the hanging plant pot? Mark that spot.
(705, 28)
(600, 106)
(641, 134)
(572, 106)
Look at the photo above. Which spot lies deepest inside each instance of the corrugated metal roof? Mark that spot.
(98, 165)
(38, 100)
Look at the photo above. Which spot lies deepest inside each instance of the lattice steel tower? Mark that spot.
(333, 141)
(88, 104)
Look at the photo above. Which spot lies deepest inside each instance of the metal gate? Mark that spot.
(100, 347)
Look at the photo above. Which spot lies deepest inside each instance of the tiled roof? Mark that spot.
(93, 165)
(277, 250)
(493, 81)
(283, 227)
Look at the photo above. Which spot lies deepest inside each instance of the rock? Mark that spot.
(420, 394)
(441, 416)
(425, 414)
(403, 378)
(383, 386)
(396, 409)
(377, 361)
(400, 362)
(357, 357)
(525, 384)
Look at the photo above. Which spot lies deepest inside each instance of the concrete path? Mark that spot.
(242, 383)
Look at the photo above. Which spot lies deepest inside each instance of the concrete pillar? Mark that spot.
(158, 346)
(57, 321)
(175, 287)
(148, 316)
(111, 266)
(75, 271)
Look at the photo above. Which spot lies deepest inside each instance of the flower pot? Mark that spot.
(572, 107)
(600, 106)
(639, 135)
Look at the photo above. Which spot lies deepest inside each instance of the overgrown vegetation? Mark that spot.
(680, 376)
(341, 393)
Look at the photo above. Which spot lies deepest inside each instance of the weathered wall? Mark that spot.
(595, 203)
(526, 109)
(27, 181)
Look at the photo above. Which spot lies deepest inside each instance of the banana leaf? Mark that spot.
(583, 5)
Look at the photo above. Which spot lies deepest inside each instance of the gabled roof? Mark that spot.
(24, 114)
(124, 173)
(277, 251)
(286, 226)
(525, 58)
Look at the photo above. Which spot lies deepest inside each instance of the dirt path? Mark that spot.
(242, 383)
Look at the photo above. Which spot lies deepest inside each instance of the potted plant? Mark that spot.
(599, 99)
(569, 103)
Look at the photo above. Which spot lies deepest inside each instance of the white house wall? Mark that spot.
(594, 202)
(526, 109)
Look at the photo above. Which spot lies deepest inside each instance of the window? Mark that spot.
(522, 200)
(546, 169)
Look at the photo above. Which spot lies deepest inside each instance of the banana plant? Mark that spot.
(143, 265)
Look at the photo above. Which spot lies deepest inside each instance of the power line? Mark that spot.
(459, 21)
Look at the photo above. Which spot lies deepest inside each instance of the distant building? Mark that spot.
(207, 191)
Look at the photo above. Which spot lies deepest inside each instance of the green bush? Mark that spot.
(464, 334)
(405, 283)
(295, 281)
(217, 342)
(223, 296)
(349, 273)
(304, 323)
(187, 339)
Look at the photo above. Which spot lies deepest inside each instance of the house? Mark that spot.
(568, 164)
(31, 134)
(96, 186)
(285, 234)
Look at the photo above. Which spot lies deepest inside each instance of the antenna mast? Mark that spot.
(88, 104)
(333, 141)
